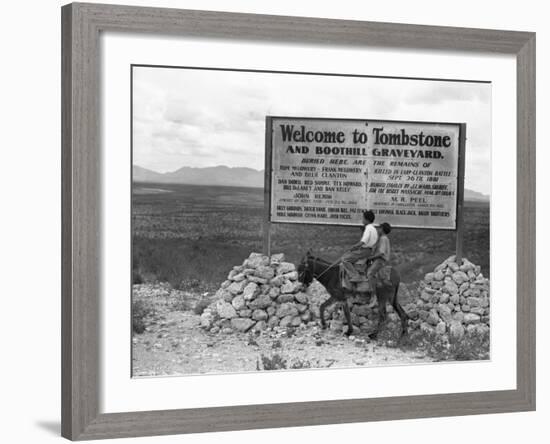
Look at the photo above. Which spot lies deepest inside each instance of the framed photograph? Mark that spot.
(278, 221)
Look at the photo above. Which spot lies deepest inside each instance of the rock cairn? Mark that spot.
(453, 300)
(262, 293)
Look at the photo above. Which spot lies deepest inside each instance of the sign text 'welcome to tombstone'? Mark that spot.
(327, 171)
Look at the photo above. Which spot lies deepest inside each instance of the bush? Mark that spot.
(290, 331)
(275, 362)
(181, 305)
(300, 363)
(389, 334)
(471, 347)
(136, 277)
(140, 311)
(201, 305)
(191, 285)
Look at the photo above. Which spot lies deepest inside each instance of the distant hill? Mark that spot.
(471, 195)
(218, 175)
(228, 176)
(144, 175)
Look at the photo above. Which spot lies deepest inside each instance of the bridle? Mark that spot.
(313, 268)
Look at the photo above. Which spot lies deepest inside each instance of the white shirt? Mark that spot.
(370, 236)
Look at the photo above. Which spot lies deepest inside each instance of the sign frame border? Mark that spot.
(268, 172)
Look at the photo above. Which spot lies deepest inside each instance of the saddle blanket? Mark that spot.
(383, 278)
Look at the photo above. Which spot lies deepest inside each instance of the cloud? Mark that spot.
(449, 92)
(193, 117)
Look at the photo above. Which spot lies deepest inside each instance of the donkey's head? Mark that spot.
(305, 270)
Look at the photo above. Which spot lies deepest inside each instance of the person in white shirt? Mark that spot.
(381, 255)
(362, 249)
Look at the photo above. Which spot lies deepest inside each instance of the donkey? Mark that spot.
(328, 275)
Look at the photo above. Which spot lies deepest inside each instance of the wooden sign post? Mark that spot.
(267, 186)
(460, 194)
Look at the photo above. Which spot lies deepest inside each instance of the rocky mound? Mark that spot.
(263, 292)
(454, 299)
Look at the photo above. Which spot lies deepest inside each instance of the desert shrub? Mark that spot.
(275, 362)
(190, 285)
(389, 334)
(471, 347)
(136, 277)
(180, 304)
(300, 363)
(201, 305)
(290, 331)
(140, 311)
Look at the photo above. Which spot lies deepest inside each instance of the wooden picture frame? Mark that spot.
(81, 171)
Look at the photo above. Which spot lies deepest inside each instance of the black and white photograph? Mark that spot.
(274, 222)
(285, 221)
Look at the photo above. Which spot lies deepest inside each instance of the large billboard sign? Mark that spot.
(328, 171)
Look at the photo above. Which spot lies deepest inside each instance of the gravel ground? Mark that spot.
(174, 344)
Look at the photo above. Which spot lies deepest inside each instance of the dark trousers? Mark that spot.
(350, 257)
(373, 270)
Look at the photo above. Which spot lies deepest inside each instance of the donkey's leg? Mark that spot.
(382, 314)
(322, 308)
(402, 314)
(348, 317)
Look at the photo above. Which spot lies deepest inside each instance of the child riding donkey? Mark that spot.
(373, 249)
(383, 279)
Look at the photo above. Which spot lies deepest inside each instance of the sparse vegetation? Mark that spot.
(140, 311)
(181, 304)
(191, 236)
(389, 334)
(136, 277)
(275, 362)
(471, 347)
(300, 364)
(201, 305)
(290, 331)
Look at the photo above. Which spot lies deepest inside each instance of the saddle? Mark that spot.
(361, 285)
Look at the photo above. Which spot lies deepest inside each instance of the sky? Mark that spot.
(200, 118)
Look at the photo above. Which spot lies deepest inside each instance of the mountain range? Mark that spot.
(218, 175)
(229, 176)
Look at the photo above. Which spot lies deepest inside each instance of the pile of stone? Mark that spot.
(262, 293)
(454, 299)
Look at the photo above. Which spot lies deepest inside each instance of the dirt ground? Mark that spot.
(174, 344)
